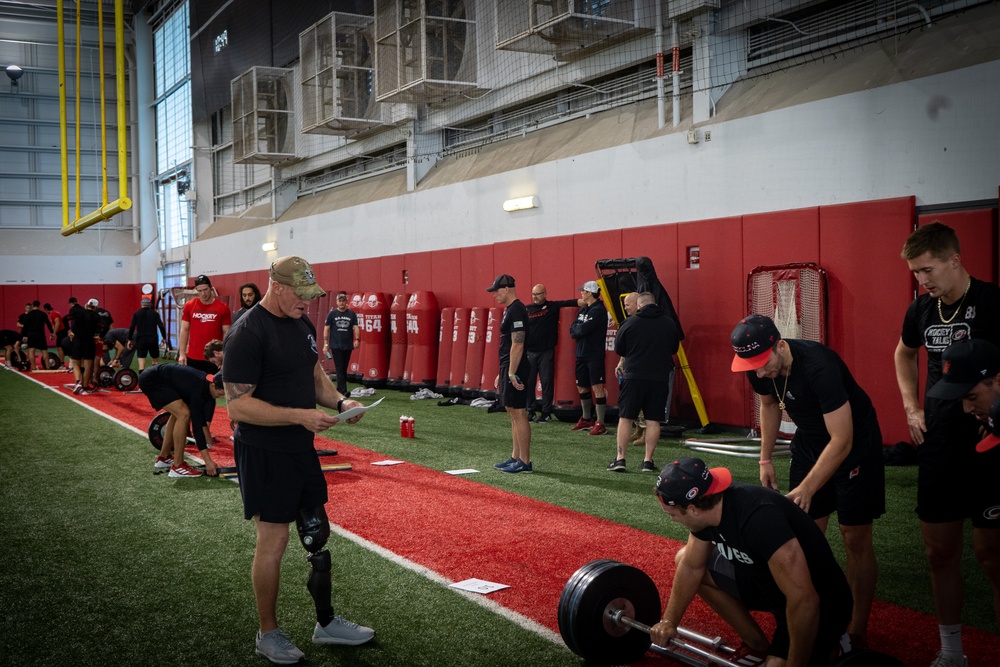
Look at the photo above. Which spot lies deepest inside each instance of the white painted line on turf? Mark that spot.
(486, 603)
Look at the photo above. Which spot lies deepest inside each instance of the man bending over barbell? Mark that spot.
(751, 548)
(189, 395)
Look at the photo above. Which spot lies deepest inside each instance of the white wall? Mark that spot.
(936, 138)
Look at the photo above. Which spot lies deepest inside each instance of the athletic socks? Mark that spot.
(602, 406)
(951, 642)
(587, 405)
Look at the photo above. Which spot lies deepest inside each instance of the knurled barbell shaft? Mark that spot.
(620, 619)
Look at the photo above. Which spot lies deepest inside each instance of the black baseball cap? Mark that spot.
(687, 478)
(992, 438)
(752, 341)
(503, 280)
(202, 280)
(216, 379)
(964, 364)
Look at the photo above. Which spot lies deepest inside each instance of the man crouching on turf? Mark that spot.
(188, 394)
(751, 548)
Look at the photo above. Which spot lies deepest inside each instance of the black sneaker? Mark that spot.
(649, 466)
(618, 465)
(531, 416)
(543, 419)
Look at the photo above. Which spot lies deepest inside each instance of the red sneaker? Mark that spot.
(584, 424)
(183, 470)
(598, 429)
(162, 462)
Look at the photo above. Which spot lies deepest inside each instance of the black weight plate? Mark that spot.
(566, 600)
(583, 614)
(105, 376)
(52, 361)
(156, 429)
(126, 379)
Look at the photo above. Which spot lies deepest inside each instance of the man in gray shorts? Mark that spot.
(273, 383)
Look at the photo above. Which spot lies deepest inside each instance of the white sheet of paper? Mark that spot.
(354, 412)
(463, 471)
(478, 586)
(386, 463)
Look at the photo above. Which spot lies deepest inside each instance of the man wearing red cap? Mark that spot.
(752, 549)
(837, 463)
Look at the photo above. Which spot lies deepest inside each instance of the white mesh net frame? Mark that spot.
(794, 296)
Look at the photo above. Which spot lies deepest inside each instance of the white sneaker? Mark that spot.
(944, 661)
(342, 631)
(278, 648)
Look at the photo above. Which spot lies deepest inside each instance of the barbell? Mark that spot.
(607, 608)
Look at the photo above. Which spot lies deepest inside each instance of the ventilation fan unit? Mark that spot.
(263, 120)
(424, 49)
(338, 79)
(567, 28)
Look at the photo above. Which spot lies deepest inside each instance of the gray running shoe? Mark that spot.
(278, 648)
(504, 464)
(342, 631)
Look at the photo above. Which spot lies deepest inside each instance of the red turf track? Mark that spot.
(462, 529)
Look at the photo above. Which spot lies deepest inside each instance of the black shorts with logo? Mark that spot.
(589, 372)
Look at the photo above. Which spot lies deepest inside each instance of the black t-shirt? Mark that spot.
(341, 328)
(84, 321)
(278, 356)
(116, 336)
(145, 323)
(9, 337)
(647, 341)
(590, 330)
(979, 318)
(543, 322)
(104, 321)
(820, 383)
(515, 318)
(756, 522)
(35, 323)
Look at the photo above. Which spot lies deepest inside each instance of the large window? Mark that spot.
(174, 136)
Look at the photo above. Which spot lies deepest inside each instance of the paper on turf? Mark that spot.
(387, 462)
(360, 410)
(478, 586)
(463, 471)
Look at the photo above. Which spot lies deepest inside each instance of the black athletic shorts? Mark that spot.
(589, 372)
(83, 348)
(856, 495)
(275, 485)
(38, 342)
(146, 346)
(647, 396)
(158, 391)
(756, 595)
(511, 396)
(944, 461)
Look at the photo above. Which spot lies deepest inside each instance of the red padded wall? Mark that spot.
(369, 275)
(552, 266)
(590, 247)
(418, 269)
(780, 237)
(15, 298)
(391, 279)
(710, 300)
(868, 290)
(514, 258)
(659, 243)
(477, 273)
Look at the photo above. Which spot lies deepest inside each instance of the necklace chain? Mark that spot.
(957, 310)
(784, 390)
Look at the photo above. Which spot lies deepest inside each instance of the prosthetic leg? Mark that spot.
(314, 531)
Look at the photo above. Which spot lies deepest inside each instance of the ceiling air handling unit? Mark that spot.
(425, 50)
(263, 120)
(338, 78)
(567, 29)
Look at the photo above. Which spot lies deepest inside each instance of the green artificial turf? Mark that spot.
(105, 563)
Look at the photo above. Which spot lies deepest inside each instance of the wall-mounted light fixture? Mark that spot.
(270, 246)
(13, 73)
(520, 204)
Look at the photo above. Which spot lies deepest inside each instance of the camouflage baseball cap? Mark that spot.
(297, 273)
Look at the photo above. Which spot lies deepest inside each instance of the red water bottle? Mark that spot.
(409, 428)
(402, 426)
